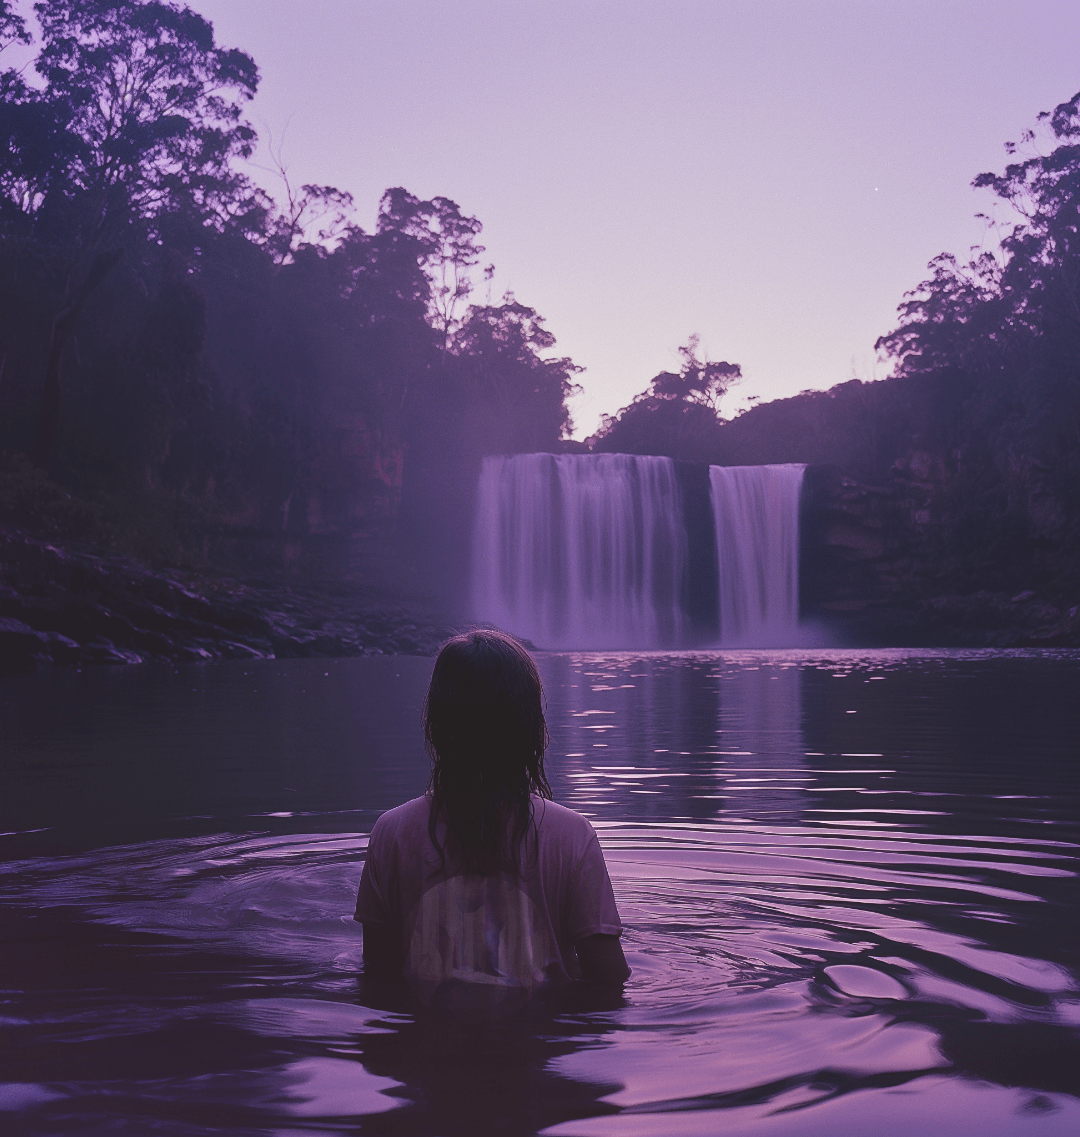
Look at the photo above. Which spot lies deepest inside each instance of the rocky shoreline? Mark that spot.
(981, 619)
(874, 573)
(76, 608)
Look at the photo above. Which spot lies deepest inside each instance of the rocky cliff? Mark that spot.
(879, 566)
(75, 607)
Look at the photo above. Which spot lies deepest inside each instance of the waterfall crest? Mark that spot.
(756, 514)
(580, 550)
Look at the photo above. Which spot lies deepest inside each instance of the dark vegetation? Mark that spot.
(187, 366)
(196, 375)
(678, 414)
(960, 474)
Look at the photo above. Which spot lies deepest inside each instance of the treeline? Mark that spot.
(982, 412)
(181, 353)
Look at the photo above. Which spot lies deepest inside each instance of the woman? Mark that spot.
(485, 879)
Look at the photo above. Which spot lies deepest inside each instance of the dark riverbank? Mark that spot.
(74, 607)
(982, 619)
(876, 571)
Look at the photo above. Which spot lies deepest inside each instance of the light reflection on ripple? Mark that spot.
(756, 902)
(863, 913)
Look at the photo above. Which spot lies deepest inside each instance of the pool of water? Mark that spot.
(849, 884)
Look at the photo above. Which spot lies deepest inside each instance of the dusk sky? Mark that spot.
(773, 176)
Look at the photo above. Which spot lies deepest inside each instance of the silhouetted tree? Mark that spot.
(445, 240)
(677, 415)
(152, 108)
(1003, 332)
(12, 26)
(137, 121)
(242, 363)
(507, 383)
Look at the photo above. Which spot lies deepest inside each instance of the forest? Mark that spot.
(182, 356)
(975, 435)
(191, 368)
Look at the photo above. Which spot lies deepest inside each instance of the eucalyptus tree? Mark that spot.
(153, 107)
(678, 414)
(1002, 332)
(508, 382)
(242, 355)
(139, 117)
(446, 245)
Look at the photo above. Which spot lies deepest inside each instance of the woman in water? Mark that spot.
(485, 879)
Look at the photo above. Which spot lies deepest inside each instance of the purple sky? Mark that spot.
(771, 175)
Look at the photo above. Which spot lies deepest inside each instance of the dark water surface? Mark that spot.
(849, 881)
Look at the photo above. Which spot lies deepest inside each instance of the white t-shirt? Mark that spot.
(506, 930)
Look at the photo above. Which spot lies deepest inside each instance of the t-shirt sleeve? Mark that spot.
(592, 907)
(371, 906)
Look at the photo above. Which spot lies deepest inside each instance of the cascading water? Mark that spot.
(580, 550)
(591, 551)
(756, 514)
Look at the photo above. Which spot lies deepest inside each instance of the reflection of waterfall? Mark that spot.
(580, 550)
(761, 740)
(756, 511)
(677, 736)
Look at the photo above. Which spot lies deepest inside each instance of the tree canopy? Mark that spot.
(169, 332)
(140, 114)
(678, 414)
(1002, 333)
(171, 335)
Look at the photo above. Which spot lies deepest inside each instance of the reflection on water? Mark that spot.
(761, 724)
(848, 880)
(699, 737)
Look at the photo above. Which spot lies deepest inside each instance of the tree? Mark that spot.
(984, 317)
(505, 379)
(139, 118)
(311, 205)
(1002, 332)
(12, 26)
(153, 107)
(241, 364)
(698, 381)
(445, 242)
(677, 415)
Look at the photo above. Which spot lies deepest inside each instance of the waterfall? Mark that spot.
(580, 550)
(756, 513)
(593, 551)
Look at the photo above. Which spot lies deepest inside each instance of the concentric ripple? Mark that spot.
(849, 885)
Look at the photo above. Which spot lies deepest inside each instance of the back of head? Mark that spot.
(486, 734)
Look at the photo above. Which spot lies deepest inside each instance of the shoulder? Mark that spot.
(405, 818)
(565, 825)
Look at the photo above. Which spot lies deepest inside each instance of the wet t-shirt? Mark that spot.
(508, 930)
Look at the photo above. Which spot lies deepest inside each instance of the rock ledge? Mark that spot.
(72, 608)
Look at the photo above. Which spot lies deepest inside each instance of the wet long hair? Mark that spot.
(486, 736)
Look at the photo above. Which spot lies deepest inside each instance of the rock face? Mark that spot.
(995, 620)
(872, 569)
(75, 608)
